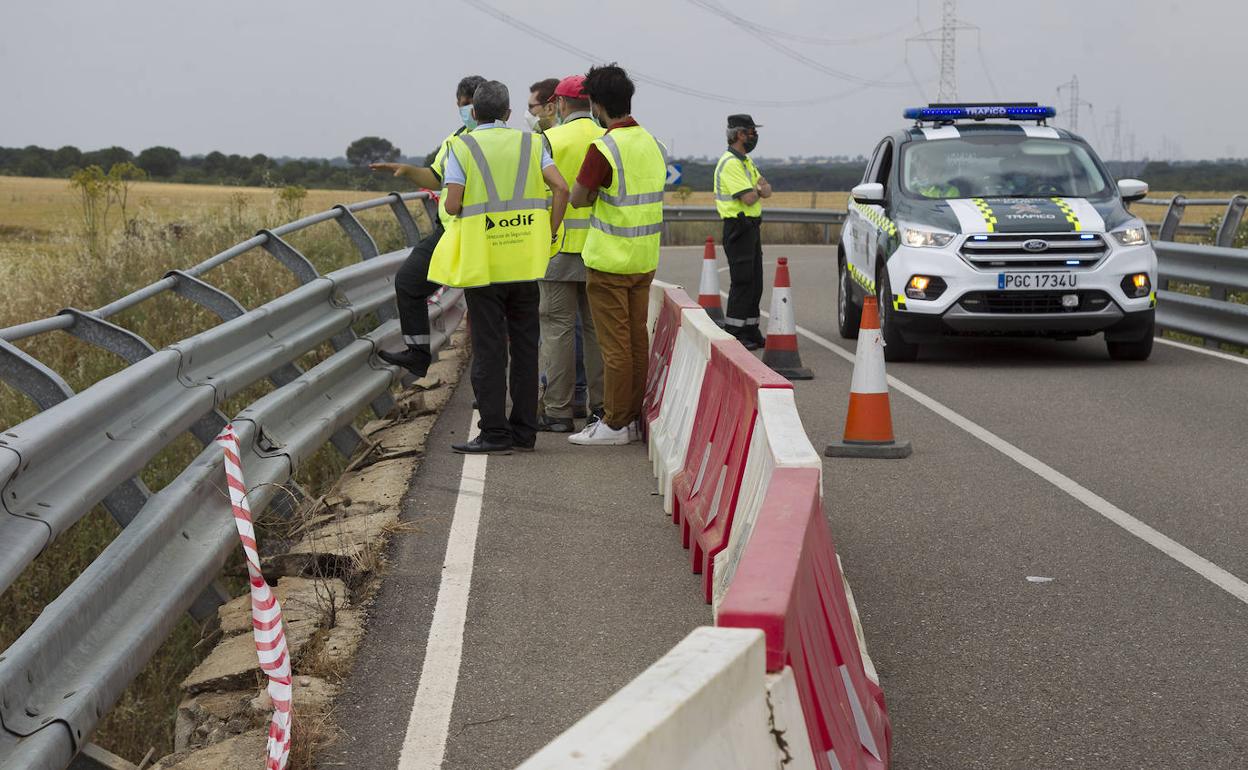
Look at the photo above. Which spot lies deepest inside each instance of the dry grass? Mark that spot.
(45, 208)
(44, 266)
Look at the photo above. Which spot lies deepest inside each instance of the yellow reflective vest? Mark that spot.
(627, 216)
(502, 235)
(734, 174)
(568, 144)
(439, 168)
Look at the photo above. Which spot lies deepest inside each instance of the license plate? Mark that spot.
(1036, 280)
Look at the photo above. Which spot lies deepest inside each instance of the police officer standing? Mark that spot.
(497, 243)
(738, 188)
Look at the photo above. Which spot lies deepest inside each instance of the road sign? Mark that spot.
(673, 173)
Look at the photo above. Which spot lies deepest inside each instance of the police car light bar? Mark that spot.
(947, 113)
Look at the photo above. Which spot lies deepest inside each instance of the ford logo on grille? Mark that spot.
(1036, 245)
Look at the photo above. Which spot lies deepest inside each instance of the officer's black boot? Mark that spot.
(414, 359)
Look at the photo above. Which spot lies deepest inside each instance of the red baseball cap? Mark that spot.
(573, 87)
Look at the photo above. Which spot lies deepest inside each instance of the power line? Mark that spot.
(713, 7)
(668, 85)
(819, 40)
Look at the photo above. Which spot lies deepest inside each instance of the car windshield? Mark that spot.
(1000, 166)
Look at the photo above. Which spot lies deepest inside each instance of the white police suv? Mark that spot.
(980, 220)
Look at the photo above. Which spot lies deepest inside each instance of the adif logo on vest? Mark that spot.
(516, 221)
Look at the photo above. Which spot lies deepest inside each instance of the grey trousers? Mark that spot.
(561, 300)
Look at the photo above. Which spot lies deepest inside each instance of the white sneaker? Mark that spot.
(600, 434)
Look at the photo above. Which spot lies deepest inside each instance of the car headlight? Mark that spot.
(921, 239)
(1132, 236)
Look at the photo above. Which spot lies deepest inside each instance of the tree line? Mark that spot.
(351, 171)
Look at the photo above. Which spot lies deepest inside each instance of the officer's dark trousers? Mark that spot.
(743, 245)
(503, 316)
(412, 290)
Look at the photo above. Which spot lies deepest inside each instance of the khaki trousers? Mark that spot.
(619, 304)
(561, 300)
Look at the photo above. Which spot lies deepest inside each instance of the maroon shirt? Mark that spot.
(596, 171)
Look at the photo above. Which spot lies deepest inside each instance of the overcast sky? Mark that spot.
(306, 77)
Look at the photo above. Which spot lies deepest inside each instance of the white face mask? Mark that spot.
(532, 120)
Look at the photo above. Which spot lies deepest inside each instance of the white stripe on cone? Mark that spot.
(708, 284)
(782, 320)
(869, 363)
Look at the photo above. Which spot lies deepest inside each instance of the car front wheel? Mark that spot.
(848, 313)
(895, 346)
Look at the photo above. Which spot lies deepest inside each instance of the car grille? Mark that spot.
(1065, 251)
(1031, 301)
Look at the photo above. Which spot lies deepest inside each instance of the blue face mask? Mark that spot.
(465, 114)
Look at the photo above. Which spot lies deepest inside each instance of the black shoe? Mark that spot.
(748, 343)
(414, 360)
(525, 447)
(481, 446)
(556, 424)
(594, 417)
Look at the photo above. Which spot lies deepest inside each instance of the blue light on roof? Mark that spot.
(981, 112)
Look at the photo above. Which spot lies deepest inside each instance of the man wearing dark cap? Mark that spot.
(738, 188)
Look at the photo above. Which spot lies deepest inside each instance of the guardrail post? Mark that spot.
(411, 232)
(32, 377)
(131, 347)
(1230, 221)
(431, 209)
(364, 242)
(290, 257)
(204, 294)
(1174, 214)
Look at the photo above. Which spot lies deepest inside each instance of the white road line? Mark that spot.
(424, 745)
(1172, 548)
(1206, 351)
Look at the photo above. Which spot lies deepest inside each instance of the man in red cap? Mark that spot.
(563, 289)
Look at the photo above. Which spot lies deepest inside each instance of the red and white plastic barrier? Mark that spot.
(707, 488)
(754, 510)
(779, 441)
(740, 475)
(266, 611)
(789, 583)
(671, 408)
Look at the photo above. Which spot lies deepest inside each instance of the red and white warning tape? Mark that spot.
(266, 612)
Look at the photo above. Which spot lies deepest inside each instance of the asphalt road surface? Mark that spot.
(1127, 658)
(1054, 579)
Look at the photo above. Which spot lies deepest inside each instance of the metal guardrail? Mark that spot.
(68, 669)
(826, 217)
(1172, 224)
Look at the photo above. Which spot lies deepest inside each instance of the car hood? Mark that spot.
(1016, 215)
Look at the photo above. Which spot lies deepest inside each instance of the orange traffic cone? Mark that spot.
(869, 424)
(708, 286)
(780, 353)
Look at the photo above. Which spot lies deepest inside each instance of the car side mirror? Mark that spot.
(1132, 190)
(868, 192)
